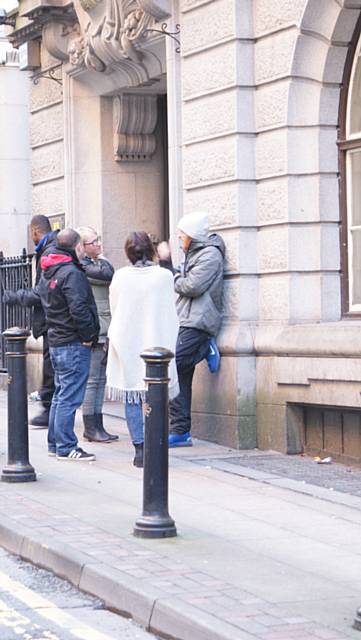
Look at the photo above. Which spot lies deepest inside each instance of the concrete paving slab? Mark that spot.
(252, 559)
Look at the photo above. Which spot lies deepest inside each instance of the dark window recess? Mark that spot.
(332, 432)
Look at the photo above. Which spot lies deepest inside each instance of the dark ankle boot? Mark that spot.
(100, 427)
(138, 458)
(92, 433)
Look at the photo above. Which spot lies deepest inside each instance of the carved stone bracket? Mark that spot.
(135, 118)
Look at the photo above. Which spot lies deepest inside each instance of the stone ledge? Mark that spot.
(332, 339)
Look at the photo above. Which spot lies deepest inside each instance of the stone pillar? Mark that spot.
(14, 150)
(219, 176)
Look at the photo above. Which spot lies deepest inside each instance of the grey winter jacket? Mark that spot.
(199, 284)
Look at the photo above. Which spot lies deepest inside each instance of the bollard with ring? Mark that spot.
(155, 521)
(18, 468)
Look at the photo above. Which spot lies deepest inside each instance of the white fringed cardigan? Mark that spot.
(142, 304)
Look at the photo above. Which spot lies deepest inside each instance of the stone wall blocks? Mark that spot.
(272, 105)
(345, 26)
(328, 151)
(249, 298)
(303, 150)
(241, 253)
(330, 297)
(274, 297)
(335, 64)
(44, 93)
(330, 247)
(47, 161)
(309, 57)
(221, 159)
(218, 68)
(231, 299)
(227, 204)
(272, 248)
(305, 297)
(272, 16)
(304, 197)
(273, 56)
(304, 247)
(218, 114)
(329, 106)
(304, 103)
(48, 198)
(271, 153)
(208, 24)
(329, 198)
(321, 16)
(272, 200)
(47, 125)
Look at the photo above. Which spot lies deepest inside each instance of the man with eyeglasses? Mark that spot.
(99, 272)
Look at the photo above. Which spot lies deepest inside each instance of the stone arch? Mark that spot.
(326, 30)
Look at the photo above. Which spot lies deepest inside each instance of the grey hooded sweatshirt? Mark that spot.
(199, 284)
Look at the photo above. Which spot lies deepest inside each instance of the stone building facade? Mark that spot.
(246, 119)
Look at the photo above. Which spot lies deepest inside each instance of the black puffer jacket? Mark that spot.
(67, 299)
(30, 297)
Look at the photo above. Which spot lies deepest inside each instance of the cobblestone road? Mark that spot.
(333, 476)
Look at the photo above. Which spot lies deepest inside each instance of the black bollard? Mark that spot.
(155, 521)
(18, 468)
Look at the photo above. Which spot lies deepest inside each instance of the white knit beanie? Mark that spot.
(195, 225)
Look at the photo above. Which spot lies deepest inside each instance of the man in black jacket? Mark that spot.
(44, 239)
(73, 328)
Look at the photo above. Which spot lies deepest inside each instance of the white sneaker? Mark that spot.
(77, 454)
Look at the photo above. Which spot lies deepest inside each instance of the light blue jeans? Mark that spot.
(135, 421)
(94, 394)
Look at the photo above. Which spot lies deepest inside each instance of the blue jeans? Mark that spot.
(135, 422)
(71, 364)
(94, 395)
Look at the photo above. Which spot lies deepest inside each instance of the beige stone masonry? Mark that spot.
(224, 66)
(218, 19)
(229, 205)
(47, 125)
(210, 116)
(48, 198)
(47, 162)
(272, 16)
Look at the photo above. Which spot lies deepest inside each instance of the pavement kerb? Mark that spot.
(152, 608)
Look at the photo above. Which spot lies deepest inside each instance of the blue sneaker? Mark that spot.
(180, 440)
(213, 356)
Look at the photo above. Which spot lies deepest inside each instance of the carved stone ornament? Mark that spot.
(99, 35)
(135, 118)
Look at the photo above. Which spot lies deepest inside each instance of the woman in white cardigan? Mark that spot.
(142, 305)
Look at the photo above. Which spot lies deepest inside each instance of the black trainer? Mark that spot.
(78, 455)
(41, 421)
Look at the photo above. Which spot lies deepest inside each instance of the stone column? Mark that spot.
(219, 176)
(14, 150)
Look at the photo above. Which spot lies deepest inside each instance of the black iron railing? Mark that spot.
(15, 273)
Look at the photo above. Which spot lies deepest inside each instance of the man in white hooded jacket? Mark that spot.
(199, 284)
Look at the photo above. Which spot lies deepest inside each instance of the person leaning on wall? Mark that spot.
(99, 272)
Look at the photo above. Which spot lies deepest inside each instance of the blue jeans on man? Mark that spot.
(71, 364)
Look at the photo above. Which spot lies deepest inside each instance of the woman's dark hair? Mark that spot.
(138, 246)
